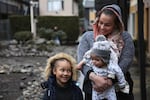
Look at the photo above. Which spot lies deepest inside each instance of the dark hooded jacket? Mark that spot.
(50, 86)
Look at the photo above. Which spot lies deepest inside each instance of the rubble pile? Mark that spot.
(31, 90)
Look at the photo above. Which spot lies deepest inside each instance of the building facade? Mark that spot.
(12, 7)
(133, 22)
(58, 8)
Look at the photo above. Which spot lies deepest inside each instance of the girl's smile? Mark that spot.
(63, 72)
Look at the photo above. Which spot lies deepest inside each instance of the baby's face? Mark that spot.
(97, 61)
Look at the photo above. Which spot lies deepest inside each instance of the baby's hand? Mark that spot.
(79, 66)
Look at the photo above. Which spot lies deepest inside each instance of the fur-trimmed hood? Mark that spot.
(51, 60)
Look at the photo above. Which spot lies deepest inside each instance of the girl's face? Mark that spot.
(97, 61)
(63, 72)
(106, 24)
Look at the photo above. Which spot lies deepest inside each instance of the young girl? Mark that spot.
(60, 74)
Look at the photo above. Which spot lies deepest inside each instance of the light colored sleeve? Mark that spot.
(84, 45)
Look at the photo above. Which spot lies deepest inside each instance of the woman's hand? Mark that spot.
(100, 84)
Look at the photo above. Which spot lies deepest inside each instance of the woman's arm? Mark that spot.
(100, 84)
(85, 44)
(127, 53)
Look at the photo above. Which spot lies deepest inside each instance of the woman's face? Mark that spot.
(106, 24)
(63, 72)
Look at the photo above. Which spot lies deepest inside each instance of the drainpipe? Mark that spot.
(141, 49)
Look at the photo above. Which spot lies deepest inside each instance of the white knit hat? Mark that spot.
(101, 48)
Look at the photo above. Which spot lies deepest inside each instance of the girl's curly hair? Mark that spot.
(52, 60)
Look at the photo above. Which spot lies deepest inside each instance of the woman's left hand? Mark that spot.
(107, 83)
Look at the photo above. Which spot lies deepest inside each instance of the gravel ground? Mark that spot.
(21, 76)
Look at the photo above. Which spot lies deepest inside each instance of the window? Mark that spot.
(55, 5)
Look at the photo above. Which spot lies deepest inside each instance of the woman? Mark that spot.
(110, 24)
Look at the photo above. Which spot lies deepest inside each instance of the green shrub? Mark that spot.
(45, 33)
(69, 24)
(61, 35)
(50, 34)
(19, 23)
(23, 36)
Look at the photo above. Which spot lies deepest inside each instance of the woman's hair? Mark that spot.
(60, 57)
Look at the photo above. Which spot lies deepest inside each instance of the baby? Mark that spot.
(103, 58)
